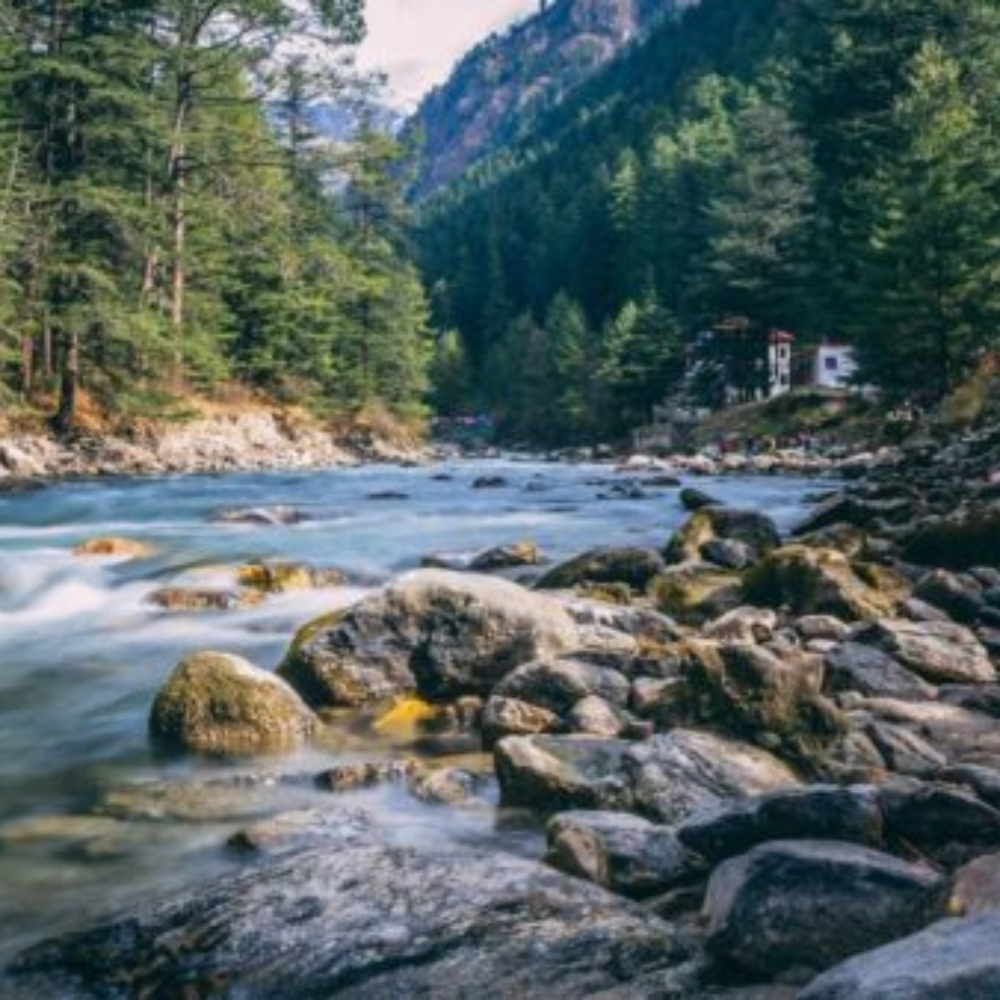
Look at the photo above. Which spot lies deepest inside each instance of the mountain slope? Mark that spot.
(504, 84)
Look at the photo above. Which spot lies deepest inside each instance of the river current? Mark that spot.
(91, 819)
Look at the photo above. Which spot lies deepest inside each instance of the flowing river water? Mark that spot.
(90, 818)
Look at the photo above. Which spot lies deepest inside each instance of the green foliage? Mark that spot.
(825, 168)
(164, 228)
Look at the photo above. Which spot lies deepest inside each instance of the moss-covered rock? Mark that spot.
(188, 599)
(697, 592)
(283, 577)
(214, 703)
(631, 567)
(813, 581)
(754, 530)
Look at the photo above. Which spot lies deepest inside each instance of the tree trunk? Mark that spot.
(27, 364)
(66, 416)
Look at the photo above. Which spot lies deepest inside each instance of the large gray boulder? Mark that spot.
(624, 853)
(667, 778)
(825, 812)
(359, 918)
(796, 906)
(950, 960)
(214, 703)
(941, 652)
(856, 666)
(558, 684)
(445, 634)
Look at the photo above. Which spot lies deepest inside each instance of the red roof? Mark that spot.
(781, 337)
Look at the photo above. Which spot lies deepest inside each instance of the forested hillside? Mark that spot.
(831, 169)
(506, 84)
(167, 216)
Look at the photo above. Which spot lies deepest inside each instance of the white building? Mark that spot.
(833, 366)
(779, 361)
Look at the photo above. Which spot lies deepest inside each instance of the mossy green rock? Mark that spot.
(696, 592)
(757, 531)
(812, 581)
(214, 703)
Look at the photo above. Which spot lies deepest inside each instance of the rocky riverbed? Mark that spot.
(763, 756)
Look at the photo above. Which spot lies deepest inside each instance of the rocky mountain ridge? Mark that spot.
(505, 83)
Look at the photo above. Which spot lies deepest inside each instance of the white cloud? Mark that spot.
(416, 42)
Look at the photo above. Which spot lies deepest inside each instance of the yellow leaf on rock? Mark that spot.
(404, 717)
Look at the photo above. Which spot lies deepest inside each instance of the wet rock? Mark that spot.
(976, 888)
(355, 775)
(283, 578)
(118, 548)
(801, 906)
(558, 684)
(757, 531)
(686, 771)
(619, 851)
(551, 773)
(444, 634)
(594, 716)
(949, 960)
(821, 627)
(697, 592)
(291, 830)
(489, 483)
(58, 830)
(511, 717)
(631, 566)
(449, 786)
(694, 499)
(960, 596)
(262, 516)
(818, 812)
(855, 666)
(941, 820)
(938, 651)
(957, 544)
(383, 495)
(822, 581)
(197, 599)
(743, 625)
(359, 918)
(214, 703)
(728, 553)
(506, 557)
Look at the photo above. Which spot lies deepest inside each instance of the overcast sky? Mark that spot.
(418, 41)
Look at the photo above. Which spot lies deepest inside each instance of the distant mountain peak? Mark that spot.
(503, 84)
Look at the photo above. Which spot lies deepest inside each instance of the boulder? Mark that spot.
(817, 812)
(553, 773)
(262, 516)
(984, 781)
(630, 566)
(214, 703)
(284, 577)
(558, 684)
(595, 716)
(950, 960)
(959, 544)
(444, 634)
(196, 599)
(359, 917)
(696, 592)
(801, 906)
(694, 499)
(687, 771)
(855, 666)
(821, 627)
(743, 624)
(975, 889)
(757, 531)
(728, 553)
(449, 786)
(813, 581)
(117, 548)
(960, 596)
(511, 717)
(940, 652)
(619, 851)
(506, 557)
(758, 693)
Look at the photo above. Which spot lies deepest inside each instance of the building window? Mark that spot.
(832, 364)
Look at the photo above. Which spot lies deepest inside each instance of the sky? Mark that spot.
(416, 42)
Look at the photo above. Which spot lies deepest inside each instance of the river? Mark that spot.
(88, 823)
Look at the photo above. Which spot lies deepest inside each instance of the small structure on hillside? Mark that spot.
(833, 366)
(779, 362)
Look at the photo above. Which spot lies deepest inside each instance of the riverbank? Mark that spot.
(212, 440)
(774, 756)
